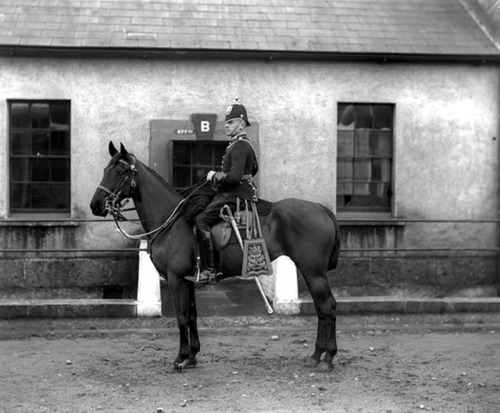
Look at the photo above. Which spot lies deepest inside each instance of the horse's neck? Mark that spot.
(154, 200)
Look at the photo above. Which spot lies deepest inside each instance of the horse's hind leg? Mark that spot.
(325, 305)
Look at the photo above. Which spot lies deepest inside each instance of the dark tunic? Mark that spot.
(239, 166)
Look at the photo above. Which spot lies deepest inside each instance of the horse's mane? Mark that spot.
(150, 170)
(197, 203)
(160, 178)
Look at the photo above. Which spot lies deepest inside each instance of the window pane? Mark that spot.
(19, 170)
(362, 143)
(199, 173)
(218, 154)
(60, 170)
(19, 196)
(40, 143)
(345, 188)
(381, 143)
(345, 143)
(60, 196)
(379, 194)
(40, 170)
(41, 196)
(202, 154)
(182, 153)
(59, 114)
(40, 117)
(182, 177)
(364, 116)
(59, 142)
(20, 143)
(381, 170)
(345, 117)
(340, 200)
(362, 170)
(345, 170)
(382, 116)
(361, 195)
(20, 115)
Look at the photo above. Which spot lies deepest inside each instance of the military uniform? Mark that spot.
(239, 166)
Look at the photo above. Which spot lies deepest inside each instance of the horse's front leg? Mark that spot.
(182, 293)
(194, 339)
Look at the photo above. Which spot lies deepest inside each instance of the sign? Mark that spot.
(184, 131)
(204, 125)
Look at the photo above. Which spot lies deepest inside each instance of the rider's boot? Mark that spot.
(207, 272)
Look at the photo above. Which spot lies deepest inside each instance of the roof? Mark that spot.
(421, 27)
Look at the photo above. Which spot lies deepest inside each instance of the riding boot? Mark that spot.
(207, 272)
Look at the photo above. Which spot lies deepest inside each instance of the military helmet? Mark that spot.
(237, 111)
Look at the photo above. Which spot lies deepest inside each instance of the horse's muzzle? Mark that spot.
(98, 206)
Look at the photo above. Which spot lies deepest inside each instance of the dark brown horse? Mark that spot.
(304, 231)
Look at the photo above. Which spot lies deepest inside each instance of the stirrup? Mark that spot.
(205, 276)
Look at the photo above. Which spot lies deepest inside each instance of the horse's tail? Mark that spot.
(334, 257)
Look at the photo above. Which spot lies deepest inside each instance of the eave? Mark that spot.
(237, 54)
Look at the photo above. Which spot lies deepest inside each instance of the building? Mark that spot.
(385, 111)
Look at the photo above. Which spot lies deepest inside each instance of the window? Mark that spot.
(364, 157)
(39, 156)
(193, 159)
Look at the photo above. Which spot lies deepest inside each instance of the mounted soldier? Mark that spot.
(235, 180)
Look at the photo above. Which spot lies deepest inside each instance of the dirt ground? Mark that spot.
(385, 364)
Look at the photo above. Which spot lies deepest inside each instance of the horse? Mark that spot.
(306, 232)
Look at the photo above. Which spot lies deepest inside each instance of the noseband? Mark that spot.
(113, 199)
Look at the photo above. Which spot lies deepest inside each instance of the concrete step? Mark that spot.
(230, 297)
(243, 302)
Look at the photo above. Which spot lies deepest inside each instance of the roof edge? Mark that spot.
(268, 55)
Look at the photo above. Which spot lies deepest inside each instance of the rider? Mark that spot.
(239, 166)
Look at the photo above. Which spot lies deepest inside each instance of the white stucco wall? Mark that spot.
(446, 122)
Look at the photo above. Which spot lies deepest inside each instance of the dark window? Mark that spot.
(39, 135)
(364, 157)
(193, 159)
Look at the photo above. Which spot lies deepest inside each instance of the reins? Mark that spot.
(115, 208)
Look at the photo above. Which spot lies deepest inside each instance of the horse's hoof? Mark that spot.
(324, 367)
(185, 364)
(311, 362)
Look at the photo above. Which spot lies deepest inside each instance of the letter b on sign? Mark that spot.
(204, 125)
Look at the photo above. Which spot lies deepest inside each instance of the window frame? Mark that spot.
(368, 158)
(52, 158)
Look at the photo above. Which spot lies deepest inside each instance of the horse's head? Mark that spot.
(119, 182)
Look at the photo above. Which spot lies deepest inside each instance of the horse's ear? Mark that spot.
(123, 151)
(112, 150)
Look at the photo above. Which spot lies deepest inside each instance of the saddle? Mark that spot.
(245, 225)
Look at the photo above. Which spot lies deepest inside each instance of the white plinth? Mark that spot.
(148, 288)
(286, 289)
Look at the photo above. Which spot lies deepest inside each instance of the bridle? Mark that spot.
(113, 203)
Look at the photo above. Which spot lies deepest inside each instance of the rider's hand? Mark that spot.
(210, 175)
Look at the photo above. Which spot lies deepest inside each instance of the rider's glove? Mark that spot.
(210, 176)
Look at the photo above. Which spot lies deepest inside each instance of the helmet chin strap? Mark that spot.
(238, 128)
